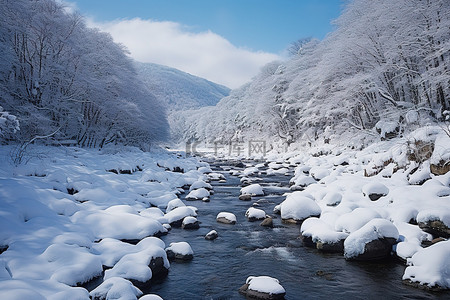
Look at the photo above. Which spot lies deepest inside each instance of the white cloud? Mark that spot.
(203, 54)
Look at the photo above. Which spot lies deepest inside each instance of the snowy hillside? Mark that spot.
(379, 74)
(178, 90)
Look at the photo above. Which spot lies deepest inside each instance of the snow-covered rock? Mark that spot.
(190, 223)
(174, 204)
(262, 287)
(175, 217)
(435, 221)
(115, 288)
(254, 214)
(429, 267)
(180, 250)
(253, 189)
(212, 235)
(297, 208)
(316, 233)
(198, 194)
(372, 241)
(355, 219)
(226, 218)
(375, 190)
(200, 184)
(332, 199)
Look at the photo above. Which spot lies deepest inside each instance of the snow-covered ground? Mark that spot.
(68, 212)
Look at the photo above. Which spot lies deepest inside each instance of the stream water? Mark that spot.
(245, 249)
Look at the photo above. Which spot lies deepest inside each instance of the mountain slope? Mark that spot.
(178, 90)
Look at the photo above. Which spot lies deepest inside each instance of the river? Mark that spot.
(245, 249)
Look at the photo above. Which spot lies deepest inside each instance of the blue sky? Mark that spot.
(203, 37)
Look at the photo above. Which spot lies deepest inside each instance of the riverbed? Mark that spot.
(245, 249)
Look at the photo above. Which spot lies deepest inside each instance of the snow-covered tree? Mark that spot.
(57, 75)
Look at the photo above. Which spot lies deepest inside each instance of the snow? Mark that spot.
(119, 225)
(116, 288)
(182, 248)
(375, 188)
(250, 171)
(227, 215)
(151, 297)
(434, 215)
(198, 194)
(298, 207)
(200, 184)
(177, 214)
(255, 213)
(253, 189)
(264, 284)
(320, 231)
(135, 265)
(356, 219)
(441, 151)
(57, 240)
(189, 220)
(429, 266)
(375, 229)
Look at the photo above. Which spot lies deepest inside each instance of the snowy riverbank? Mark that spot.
(71, 215)
(68, 213)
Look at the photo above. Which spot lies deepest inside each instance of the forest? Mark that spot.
(384, 68)
(69, 83)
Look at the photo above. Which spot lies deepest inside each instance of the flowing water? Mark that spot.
(245, 249)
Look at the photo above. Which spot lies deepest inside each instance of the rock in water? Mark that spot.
(262, 287)
(226, 218)
(245, 197)
(372, 241)
(181, 251)
(190, 223)
(267, 222)
(212, 235)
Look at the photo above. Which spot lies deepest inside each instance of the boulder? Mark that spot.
(190, 223)
(440, 168)
(212, 235)
(428, 268)
(253, 189)
(245, 197)
(435, 222)
(255, 214)
(375, 190)
(179, 251)
(267, 222)
(372, 241)
(226, 218)
(297, 208)
(198, 194)
(239, 165)
(262, 287)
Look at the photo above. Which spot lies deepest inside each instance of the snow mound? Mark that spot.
(198, 194)
(355, 219)
(265, 284)
(200, 184)
(253, 189)
(254, 214)
(375, 188)
(319, 231)
(430, 266)
(115, 288)
(226, 217)
(427, 215)
(118, 224)
(298, 207)
(178, 214)
(355, 243)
